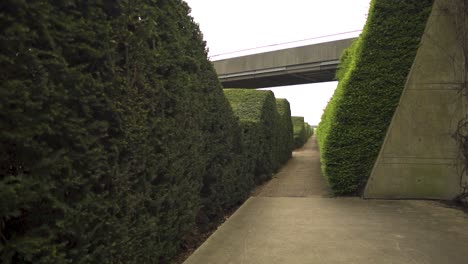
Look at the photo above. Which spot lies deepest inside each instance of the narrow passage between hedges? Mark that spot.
(300, 177)
(293, 220)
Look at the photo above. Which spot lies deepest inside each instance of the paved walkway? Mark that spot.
(301, 177)
(293, 220)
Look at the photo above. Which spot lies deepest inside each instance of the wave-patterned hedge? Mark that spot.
(309, 130)
(285, 136)
(111, 121)
(371, 77)
(302, 131)
(261, 128)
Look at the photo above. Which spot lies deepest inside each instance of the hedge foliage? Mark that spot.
(309, 130)
(302, 131)
(371, 78)
(299, 131)
(112, 121)
(261, 129)
(225, 182)
(285, 135)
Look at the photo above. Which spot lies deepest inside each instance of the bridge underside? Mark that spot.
(282, 76)
(299, 65)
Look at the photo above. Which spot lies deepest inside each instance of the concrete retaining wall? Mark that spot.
(419, 157)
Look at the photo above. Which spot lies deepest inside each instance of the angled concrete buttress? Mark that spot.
(420, 158)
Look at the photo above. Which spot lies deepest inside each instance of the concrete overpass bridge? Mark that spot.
(307, 64)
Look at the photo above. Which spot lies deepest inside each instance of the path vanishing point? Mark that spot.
(295, 220)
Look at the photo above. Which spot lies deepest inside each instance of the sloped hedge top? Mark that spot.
(372, 76)
(298, 123)
(285, 136)
(259, 119)
(248, 104)
(283, 107)
(309, 130)
(299, 131)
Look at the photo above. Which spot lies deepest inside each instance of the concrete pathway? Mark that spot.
(300, 177)
(292, 220)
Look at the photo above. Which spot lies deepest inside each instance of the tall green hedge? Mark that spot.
(371, 77)
(226, 183)
(285, 135)
(111, 120)
(300, 133)
(259, 121)
(309, 130)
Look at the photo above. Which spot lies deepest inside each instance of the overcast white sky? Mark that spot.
(229, 26)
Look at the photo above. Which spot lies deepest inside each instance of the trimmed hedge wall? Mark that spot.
(285, 139)
(371, 77)
(112, 119)
(226, 183)
(300, 134)
(259, 121)
(309, 130)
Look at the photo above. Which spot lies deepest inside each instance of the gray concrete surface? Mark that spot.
(420, 157)
(296, 179)
(315, 229)
(299, 65)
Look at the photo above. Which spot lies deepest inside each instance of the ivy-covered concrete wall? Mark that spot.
(372, 76)
(423, 153)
